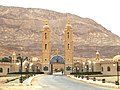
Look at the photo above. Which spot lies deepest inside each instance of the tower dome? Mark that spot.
(46, 26)
(97, 56)
(68, 25)
(14, 54)
(116, 58)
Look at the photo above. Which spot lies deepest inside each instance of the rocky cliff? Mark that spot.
(20, 31)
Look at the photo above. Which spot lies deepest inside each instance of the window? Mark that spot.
(1, 70)
(92, 68)
(108, 68)
(68, 68)
(45, 46)
(45, 68)
(45, 35)
(68, 35)
(102, 69)
(8, 70)
(87, 68)
(68, 46)
(118, 69)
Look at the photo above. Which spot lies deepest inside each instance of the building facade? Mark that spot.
(66, 63)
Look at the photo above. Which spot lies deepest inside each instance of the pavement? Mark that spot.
(58, 82)
(62, 82)
(97, 83)
(26, 85)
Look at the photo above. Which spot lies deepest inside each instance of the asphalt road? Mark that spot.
(59, 82)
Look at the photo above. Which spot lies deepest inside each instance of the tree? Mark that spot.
(6, 59)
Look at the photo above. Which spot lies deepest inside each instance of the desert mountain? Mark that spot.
(20, 31)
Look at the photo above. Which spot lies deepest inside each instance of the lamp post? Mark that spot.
(21, 60)
(117, 73)
(117, 82)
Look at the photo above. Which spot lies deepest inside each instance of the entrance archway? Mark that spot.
(57, 64)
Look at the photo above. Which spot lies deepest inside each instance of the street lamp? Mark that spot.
(20, 58)
(117, 82)
(117, 73)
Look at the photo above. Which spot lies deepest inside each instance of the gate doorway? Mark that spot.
(57, 65)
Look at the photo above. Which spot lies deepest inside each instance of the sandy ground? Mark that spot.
(15, 85)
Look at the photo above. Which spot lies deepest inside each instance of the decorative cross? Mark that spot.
(68, 20)
(46, 21)
(57, 51)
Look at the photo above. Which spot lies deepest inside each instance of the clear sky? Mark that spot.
(104, 12)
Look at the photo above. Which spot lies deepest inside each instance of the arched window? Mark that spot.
(45, 59)
(45, 68)
(87, 68)
(45, 46)
(108, 68)
(102, 69)
(45, 35)
(68, 68)
(1, 70)
(68, 46)
(68, 34)
(8, 70)
(92, 68)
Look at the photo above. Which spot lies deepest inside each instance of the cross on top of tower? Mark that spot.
(57, 51)
(46, 21)
(68, 20)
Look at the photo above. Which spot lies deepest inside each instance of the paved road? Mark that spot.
(59, 82)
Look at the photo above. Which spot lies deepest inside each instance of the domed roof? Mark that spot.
(46, 26)
(35, 59)
(68, 26)
(25, 62)
(57, 59)
(14, 54)
(97, 52)
(31, 64)
(116, 58)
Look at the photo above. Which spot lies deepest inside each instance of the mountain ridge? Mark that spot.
(20, 28)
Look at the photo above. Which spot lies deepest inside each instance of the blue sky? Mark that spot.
(104, 12)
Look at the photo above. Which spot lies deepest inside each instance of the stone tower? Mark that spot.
(46, 48)
(97, 56)
(68, 47)
(14, 57)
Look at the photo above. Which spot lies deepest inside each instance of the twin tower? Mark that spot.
(68, 48)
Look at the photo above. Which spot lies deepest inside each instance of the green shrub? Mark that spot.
(27, 73)
(87, 73)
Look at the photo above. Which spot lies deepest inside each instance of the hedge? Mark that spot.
(27, 73)
(86, 73)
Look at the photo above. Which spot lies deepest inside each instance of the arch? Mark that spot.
(45, 46)
(8, 70)
(1, 70)
(87, 68)
(38, 67)
(45, 68)
(57, 59)
(68, 34)
(108, 68)
(102, 69)
(68, 46)
(45, 35)
(26, 66)
(68, 68)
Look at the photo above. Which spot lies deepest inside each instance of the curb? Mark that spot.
(35, 77)
(82, 80)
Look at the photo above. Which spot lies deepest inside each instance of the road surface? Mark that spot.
(59, 82)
